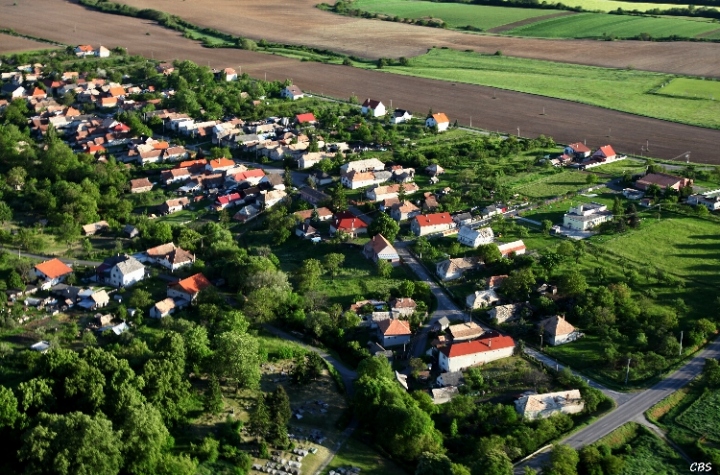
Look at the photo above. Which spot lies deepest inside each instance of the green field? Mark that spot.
(692, 253)
(703, 417)
(540, 186)
(596, 25)
(586, 84)
(695, 88)
(455, 15)
(611, 5)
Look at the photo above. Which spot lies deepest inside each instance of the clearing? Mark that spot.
(545, 186)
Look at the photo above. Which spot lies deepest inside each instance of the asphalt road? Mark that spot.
(633, 407)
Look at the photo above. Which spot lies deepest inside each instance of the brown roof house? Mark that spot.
(451, 269)
(662, 180)
(394, 332)
(540, 406)
(403, 306)
(380, 249)
(558, 331)
(173, 206)
(141, 185)
(167, 307)
(465, 331)
(170, 257)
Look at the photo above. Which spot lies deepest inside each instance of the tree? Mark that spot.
(591, 179)
(546, 225)
(384, 268)
(237, 358)
(8, 408)
(95, 447)
(15, 281)
(213, 401)
(6, 212)
(385, 225)
(140, 298)
(494, 462)
(407, 288)
(573, 283)
(519, 283)
(433, 464)
(338, 198)
(144, 438)
(309, 274)
(260, 420)
(333, 262)
(563, 460)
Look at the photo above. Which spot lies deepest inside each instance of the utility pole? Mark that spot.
(470, 121)
(681, 339)
(518, 132)
(627, 373)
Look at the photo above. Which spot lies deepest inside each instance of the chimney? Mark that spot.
(490, 343)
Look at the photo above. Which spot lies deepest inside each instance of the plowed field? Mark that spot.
(490, 108)
(17, 44)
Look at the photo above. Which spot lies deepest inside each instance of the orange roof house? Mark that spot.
(116, 91)
(394, 332)
(53, 272)
(308, 117)
(189, 288)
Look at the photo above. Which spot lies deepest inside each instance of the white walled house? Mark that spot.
(558, 331)
(373, 108)
(365, 165)
(424, 224)
(458, 356)
(586, 216)
(188, 289)
(292, 92)
(380, 249)
(475, 237)
(126, 272)
(400, 116)
(394, 332)
(481, 299)
(52, 272)
(438, 120)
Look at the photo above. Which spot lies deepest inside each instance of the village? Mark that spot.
(319, 189)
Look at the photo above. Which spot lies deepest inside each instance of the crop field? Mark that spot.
(703, 416)
(597, 25)
(610, 5)
(694, 88)
(17, 44)
(587, 84)
(693, 253)
(455, 15)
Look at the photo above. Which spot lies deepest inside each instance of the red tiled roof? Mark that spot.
(53, 268)
(249, 174)
(307, 117)
(345, 220)
(579, 147)
(441, 118)
(607, 151)
(478, 346)
(139, 183)
(229, 198)
(221, 163)
(116, 91)
(433, 219)
(161, 145)
(391, 327)
(190, 163)
(38, 92)
(193, 284)
(85, 48)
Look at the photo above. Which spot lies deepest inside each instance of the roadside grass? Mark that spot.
(599, 25)
(455, 15)
(355, 453)
(692, 88)
(648, 454)
(703, 416)
(585, 84)
(659, 410)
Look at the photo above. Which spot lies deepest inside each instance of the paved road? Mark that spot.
(634, 407)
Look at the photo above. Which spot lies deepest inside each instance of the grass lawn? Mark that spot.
(586, 84)
(455, 15)
(544, 185)
(693, 88)
(693, 252)
(617, 169)
(555, 211)
(703, 416)
(355, 453)
(596, 25)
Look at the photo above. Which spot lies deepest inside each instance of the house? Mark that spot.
(495, 281)
(52, 272)
(169, 177)
(455, 378)
(229, 74)
(463, 219)
(441, 325)
(379, 249)
(355, 179)
(540, 406)
(400, 115)
(92, 228)
(268, 199)
(403, 175)
(465, 331)
(475, 237)
(492, 210)
(102, 52)
(348, 223)
(172, 206)
(227, 201)
(167, 307)
(404, 306)
(323, 214)
(394, 332)
(434, 170)
(246, 213)
(663, 181)
(424, 224)
(380, 193)
(403, 211)
(251, 177)
(306, 118)
(14, 91)
(313, 196)
(515, 248)
(140, 185)
(557, 330)
(188, 289)
(131, 231)
(439, 120)
(506, 313)
(41, 346)
(368, 164)
(121, 271)
(481, 299)
(219, 165)
(169, 256)
(451, 269)
(292, 92)
(84, 50)
(373, 108)
(118, 329)
(310, 159)
(306, 230)
(604, 153)
(577, 150)
(458, 356)
(711, 200)
(632, 193)
(586, 216)
(322, 178)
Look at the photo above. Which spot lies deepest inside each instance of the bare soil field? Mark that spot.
(300, 23)
(17, 44)
(490, 108)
